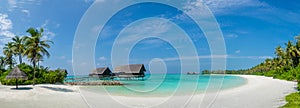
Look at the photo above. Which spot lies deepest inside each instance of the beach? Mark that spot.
(41, 96)
(258, 92)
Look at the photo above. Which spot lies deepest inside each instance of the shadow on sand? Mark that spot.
(57, 89)
(22, 88)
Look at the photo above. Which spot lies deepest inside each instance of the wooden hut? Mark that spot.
(101, 72)
(130, 71)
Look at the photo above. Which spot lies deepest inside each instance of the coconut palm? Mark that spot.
(2, 62)
(292, 53)
(281, 59)
(36, 48)
(279, 52)
(8, 52)
(19, 47)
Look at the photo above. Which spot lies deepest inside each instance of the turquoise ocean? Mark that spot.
(171, 84)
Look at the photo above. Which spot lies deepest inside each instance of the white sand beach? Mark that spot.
(259, 92)
(41, 96)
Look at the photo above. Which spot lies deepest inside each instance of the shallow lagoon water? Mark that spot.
(171, 84)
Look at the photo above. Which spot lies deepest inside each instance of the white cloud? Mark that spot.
(98, 64)
(97, 28)
(45, 23)
(47, 33)
(249, 57)
(5, 30)
(102, 58)
(12, 3)
(19, 4)
(153, 27)
(5, 26)
(265, 57)
(5, 23)
(232, 36)
(224, 6)
(256, 8)
(7, 34)
(149, 28)
(238, 51)
(217, 56)
(195, 57)
(92, 1)
(27, 12)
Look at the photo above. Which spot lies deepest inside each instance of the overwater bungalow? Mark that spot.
(132, 71)
(101, 72)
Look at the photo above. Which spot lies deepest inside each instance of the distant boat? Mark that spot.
(193, 73)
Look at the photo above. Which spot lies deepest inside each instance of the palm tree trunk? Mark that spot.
(33, 72)
(20, 58)
(16, 83)
(38, 66)
(10, 62)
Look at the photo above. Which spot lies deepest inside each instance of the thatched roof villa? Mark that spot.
(130, 71)
(101, 72)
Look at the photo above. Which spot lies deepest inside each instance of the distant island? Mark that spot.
(193, 73)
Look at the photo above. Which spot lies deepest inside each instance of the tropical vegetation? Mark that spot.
(293, 101)
(285, 65)
(33, 48)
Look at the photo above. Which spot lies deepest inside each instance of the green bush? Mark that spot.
(293, 100)
(285, 73)
(271, 73)
(258, 73)
(55, 76)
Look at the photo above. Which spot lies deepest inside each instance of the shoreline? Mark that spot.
(259, 91)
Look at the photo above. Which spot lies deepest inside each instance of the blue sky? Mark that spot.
(251, 29)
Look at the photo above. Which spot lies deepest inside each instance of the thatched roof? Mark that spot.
(132, 68)
(16, 73)
(63, 70)
(99, 71)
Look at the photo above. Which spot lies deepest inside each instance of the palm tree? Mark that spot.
(281, 59)
(279, 52)
(19, 47)
(8, 52)
(293, 53)
(2, 62)
(36, 48)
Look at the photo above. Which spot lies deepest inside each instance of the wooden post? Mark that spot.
(16, 83)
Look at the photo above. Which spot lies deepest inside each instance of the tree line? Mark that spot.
(285, 64)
